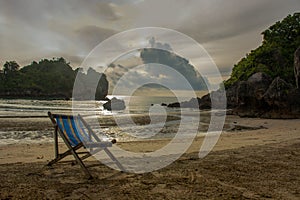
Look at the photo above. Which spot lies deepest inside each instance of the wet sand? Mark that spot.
(245, 164)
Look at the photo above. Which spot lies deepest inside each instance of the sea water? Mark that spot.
(140, 108)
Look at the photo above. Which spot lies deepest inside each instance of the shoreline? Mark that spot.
(274, 131)
(27, 130)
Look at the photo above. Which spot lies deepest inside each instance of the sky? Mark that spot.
(227, 29)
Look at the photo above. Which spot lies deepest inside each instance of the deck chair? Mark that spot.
(77, 134)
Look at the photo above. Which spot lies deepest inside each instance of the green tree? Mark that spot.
(10, 67)
(45, 79)
(275, 56)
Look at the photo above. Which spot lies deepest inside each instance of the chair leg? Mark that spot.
(61, 156)
(79, 161)
(72, 150)
(114, 159)
(77, 158)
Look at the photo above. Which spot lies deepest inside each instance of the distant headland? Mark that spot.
(46, 79)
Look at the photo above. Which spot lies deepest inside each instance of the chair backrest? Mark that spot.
(72, 127)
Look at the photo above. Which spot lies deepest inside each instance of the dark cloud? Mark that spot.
(35, 29)
(214, 19)
(90, 36)
(230, 28)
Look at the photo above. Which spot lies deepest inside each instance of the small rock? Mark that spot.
(114, 105)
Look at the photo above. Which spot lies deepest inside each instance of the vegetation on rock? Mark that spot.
(275, 56)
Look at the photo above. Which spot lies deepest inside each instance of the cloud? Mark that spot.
(35, 29)
(215, 23)
(90, 36)
(215, 19)
(151, 76)
(156, 68)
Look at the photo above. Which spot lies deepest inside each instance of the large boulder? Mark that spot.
(258, 84)
(114, 105)
(249, 95)
(217, 98)
(277, 94)
(283, 100)
(294, 102)
(231, 95)
(205, 102)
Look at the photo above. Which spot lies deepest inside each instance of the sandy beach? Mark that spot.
(245, 164)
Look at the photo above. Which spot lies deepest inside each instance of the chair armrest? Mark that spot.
(98, 144)
(114, 141)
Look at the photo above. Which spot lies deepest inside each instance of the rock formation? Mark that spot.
(193, 103)
(259, 96)
(114, 105)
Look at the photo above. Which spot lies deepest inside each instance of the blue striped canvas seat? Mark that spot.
(72, 128)
(76, 133)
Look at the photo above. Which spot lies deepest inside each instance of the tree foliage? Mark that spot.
(10, 67)
(45, 79)
(276, 54)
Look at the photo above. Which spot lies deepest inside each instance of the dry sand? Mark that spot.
(245, 164)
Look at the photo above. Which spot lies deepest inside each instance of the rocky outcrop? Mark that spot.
(249, 95)
(258, 97)
(174, 105)
(114, 105)
(278, 93)
(241, 96)
(204, 102)
(283, 100)
(193, 103)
